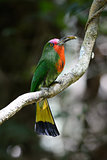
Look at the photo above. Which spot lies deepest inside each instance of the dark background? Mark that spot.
(25, 26)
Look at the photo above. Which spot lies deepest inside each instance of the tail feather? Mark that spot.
(45, 124)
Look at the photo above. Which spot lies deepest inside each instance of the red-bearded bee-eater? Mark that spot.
(49, 67)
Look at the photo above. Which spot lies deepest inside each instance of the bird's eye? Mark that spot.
(51, 44)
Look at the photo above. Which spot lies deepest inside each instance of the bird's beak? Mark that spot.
(65, 39)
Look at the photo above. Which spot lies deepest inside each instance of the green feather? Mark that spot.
(38, 76)
(45, 72)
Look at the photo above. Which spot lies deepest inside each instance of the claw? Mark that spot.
(44, 88)
(55, 82)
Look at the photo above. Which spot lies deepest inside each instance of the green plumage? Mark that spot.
(49, 67)
(46, 71)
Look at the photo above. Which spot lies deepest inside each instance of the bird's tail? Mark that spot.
(45, 124)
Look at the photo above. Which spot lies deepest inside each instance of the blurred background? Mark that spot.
(81, 110)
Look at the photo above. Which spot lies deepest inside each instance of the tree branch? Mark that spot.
(77, 71)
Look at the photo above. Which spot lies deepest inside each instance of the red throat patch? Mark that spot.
(61, 62)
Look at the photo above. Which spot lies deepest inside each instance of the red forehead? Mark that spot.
(55, 41)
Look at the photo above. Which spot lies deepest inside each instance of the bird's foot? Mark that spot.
(52, 84)
(55, 82)
(45, 88)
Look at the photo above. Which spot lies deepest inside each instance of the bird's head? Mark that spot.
(61, 41)
(58, 44)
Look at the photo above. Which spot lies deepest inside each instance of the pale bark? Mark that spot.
(76, 72)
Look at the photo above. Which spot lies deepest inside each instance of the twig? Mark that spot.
(94, 16)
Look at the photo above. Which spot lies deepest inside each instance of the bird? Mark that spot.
(50, 65)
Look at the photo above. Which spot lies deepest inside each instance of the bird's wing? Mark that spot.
(39, 75)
